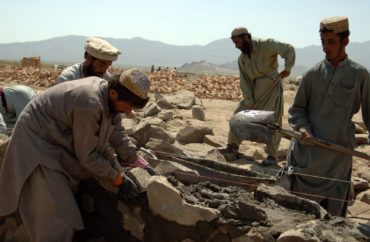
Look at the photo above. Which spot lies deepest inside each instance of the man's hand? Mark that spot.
(128, 190)
(151, 170)
(284, 74)
(141, 162)
(306, 137)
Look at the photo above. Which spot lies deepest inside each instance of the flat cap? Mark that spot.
(239, 31)
(101, 49)
(336, 24)
(136, 81)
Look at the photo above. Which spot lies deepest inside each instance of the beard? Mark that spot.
(246, 47)
(91, 72)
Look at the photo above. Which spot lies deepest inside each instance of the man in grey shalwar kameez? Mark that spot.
(99, 55)
(258, 70)
(13, 101)
(329, 95)
(59, 139)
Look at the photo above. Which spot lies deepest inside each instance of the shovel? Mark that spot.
(259, 126)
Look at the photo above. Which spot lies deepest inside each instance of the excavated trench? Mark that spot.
(243, 211)
(244, 214)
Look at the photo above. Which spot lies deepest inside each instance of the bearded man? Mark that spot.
(99, 55)
(330, 93)
(59, 139)
(258, 66)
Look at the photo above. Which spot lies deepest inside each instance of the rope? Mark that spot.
(251, 185)
(274, 170)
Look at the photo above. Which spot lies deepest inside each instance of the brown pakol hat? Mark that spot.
(136, 81)
(336, 24)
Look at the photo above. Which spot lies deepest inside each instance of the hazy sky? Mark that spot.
(179, 22)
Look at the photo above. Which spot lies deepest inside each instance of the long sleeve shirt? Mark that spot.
(262, 63)
(75, 72)
(325, 103)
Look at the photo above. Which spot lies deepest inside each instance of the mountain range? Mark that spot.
(220, 54)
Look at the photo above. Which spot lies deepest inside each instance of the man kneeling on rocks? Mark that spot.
(59, 139)
(13, 101)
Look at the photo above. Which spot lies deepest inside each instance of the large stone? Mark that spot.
(284, 198)
(251, 236)
(257, 153)
(321, 230)
(166, 115)
(151, 109)
(160, 192)
(159, 133)
(297, 235)
(142, 133)
(364, 196)
(163, 102)
(198, 112)
(214, 140)
(140, 176)
(154, 121)
(162, 146)
(359, 184)
(194, 132)
(129, 125)
(183, 99)
(181, 172)
(245, 211)
(359, 209)
(216, 155)
(198, 102)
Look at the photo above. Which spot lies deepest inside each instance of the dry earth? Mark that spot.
(218, 95)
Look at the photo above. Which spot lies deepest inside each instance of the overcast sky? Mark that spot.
(179, 22)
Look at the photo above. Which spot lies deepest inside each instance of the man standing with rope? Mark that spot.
(330, 93)
(260, 82)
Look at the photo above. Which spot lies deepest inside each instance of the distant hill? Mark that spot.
(141, 52)
(203, 67)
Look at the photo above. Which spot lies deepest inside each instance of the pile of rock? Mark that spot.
(30, 76)
(217, 87)
(165, 81)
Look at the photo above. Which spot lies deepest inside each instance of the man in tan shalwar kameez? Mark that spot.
(99, 55)
(258, 69)
(330, 93)
(61, 138)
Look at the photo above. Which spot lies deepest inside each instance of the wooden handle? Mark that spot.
(345, 150)
(326, 144)
(263, 97)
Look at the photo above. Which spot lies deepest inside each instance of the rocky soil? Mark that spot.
(201, 195)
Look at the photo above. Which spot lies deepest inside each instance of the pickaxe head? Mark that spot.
(254, 125)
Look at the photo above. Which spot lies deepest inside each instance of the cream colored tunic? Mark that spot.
(325, 103)
(257, 73)
(65, 129)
